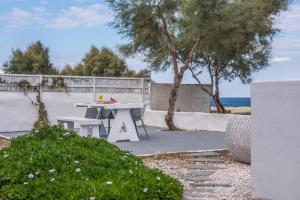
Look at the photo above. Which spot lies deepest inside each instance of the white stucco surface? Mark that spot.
(18, 114)
(189, 120)
(276, 140)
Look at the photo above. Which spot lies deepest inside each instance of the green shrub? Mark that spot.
(52, 163)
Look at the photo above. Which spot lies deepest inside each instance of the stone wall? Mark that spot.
(191, 98)
(275, 140)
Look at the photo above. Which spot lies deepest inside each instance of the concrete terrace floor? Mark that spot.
(161, 141)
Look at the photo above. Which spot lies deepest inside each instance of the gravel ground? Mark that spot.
(233, 173)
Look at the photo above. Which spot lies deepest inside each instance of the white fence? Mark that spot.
(77, 84)
(18, 114)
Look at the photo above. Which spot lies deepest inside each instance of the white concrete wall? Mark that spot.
(276, 140)
(18, 114)
(188, 120)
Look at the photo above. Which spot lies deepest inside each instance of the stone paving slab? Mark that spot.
(204, 154)
(197, 190)
(210, 185)
(202, 167)
(203, 159)
(201, 173)
(198, 195)
(197, 179)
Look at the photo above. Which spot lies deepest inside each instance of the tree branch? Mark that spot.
(199, 82)
(171, 46)
(191, 55)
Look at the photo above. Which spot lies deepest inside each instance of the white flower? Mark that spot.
(92, 198)
(66, 134)
(109, 183)
(158, 178)
(78, 170)
(5, 155)
(25, 183)
(53, 179)
(52, 170)
(60, 138)
(76, 161)
(30, 176)
(130, 171)
(145, 190)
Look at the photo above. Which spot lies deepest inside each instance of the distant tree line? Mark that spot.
(97, 62)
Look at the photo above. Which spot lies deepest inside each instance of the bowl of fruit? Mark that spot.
(106, 101)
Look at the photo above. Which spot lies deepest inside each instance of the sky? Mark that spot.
(70, 27)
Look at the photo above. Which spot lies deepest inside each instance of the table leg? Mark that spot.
(123, 127)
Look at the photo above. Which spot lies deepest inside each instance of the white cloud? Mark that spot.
(287, 45)
(1, 71)
(289, 20)
(91, 16)
(18, 18)
(278, 59)
(44, 2)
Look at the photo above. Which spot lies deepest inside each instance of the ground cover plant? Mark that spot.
(52, 163)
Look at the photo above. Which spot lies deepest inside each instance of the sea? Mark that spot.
(234, 101)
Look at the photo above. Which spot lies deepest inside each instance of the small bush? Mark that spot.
(52, 163)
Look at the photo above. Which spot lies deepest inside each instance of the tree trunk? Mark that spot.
(219, 105)
(172, 102)
(216, 97)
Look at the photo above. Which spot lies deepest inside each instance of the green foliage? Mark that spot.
(58, 84)
(159, 29)
(25, 86)
(243, 44)
(35, 60)
(52, 163)
(103, 62)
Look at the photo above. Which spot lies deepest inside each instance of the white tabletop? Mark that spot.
(111, 106)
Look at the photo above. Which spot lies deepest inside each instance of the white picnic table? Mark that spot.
(122, 127)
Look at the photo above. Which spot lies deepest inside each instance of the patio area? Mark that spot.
(161, 141)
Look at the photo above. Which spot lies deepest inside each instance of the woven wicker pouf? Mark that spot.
(238, 138)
